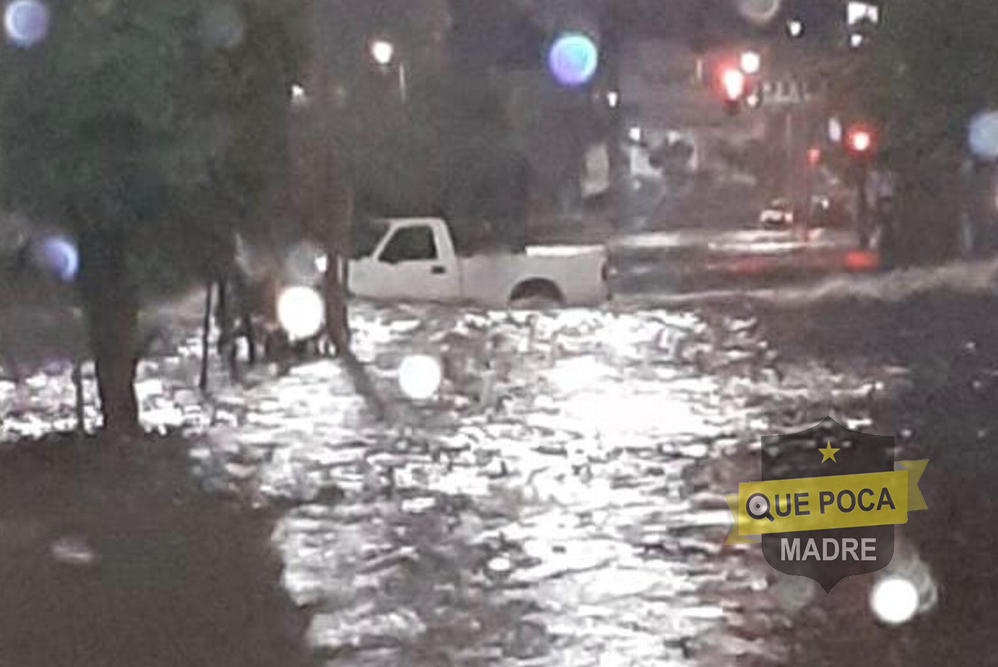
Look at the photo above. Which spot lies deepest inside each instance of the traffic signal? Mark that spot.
(733, 84)
(813, 156)
(860, 140)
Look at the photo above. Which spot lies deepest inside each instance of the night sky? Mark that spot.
(512, 32)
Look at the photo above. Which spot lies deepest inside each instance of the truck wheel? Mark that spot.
(536, 295)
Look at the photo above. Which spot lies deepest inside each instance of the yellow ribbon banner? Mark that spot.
(823, 503)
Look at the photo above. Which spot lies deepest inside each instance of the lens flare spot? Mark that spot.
(758, 12)
(57, 255)
(894, 600)
(223, 27)
(573, 59)
(983, 135)
(26, 22)
(420, 376)
(301, 312)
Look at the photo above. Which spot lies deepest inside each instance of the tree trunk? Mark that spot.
(928, 209)
(336, 238)
(331, 220)
(111, 309)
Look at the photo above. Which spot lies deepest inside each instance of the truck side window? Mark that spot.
(408, 244)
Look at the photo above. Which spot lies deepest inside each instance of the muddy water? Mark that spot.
(559, 503)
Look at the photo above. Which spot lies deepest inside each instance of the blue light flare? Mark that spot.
(26, 22)
(58, 256)
(573, 59)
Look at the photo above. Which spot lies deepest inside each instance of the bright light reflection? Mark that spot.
(419, 376)
(758, 12)
(382, 51)
(301, 312)
(983, 135)
(58, 255)
(322, 263)
(795, 28)
(733, 82)
(894, 600)
(751, 62)
(573, 59)
(861, 141)
(26, 22)
(862, 11)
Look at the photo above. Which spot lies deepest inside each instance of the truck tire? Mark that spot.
(536, 294)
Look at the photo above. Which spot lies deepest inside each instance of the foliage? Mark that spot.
(162, 120)
(931, 68)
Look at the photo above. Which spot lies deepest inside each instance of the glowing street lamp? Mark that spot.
(860, 142)
(383, 52)
(751, 62)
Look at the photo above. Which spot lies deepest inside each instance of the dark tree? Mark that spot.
(929, 70)
(150, 129)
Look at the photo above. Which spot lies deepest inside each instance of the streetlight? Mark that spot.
(860, 144)
(795, 28)
(298, 96)
(751, 62)
(383, 54)
(382, 51)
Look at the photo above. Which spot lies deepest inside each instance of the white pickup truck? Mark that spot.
(414, 259)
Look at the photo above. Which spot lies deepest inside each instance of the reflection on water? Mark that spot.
(560, 502)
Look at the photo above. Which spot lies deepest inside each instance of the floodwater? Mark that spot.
(560, 502)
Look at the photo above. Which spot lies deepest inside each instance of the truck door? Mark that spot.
(414, 267)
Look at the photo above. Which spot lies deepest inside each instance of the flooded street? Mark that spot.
(560, 501)
(655, 235)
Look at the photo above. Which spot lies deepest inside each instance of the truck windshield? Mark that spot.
(366, 235)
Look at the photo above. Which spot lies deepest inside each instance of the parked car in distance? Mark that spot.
(779, 213)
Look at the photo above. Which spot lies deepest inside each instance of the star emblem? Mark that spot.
(828, 452)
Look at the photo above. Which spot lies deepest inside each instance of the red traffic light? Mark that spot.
(733, 83)
(859, 140)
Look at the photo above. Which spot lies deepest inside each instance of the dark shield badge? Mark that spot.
(826, 450)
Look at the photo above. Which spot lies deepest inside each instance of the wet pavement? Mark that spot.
(561, 501)
(695, 260)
